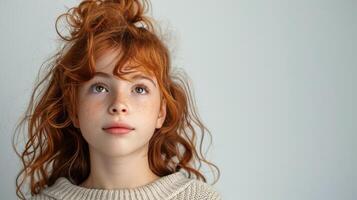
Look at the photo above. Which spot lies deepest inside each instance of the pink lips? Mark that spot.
(118, 128)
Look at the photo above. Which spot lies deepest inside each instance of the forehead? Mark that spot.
(107, 63)
(105, 66)
(106, 60)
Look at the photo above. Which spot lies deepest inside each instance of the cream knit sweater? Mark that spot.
(175, 186)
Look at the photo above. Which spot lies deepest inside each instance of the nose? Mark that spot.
(114, 110)
(118, 106)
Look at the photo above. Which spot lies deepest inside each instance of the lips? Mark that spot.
(118, 125)
(118, 128)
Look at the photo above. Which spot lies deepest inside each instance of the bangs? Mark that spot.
(145, 54)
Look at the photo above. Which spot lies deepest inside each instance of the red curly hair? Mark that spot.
(55, 147)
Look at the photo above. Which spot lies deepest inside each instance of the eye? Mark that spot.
(98, 88)
(141, 89)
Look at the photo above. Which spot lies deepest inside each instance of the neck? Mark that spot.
(119, 172)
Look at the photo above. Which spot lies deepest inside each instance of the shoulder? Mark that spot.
(41, 196)
(197, 189)
(48, 193)
(205, 191)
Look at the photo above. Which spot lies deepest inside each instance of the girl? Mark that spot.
(113, 121)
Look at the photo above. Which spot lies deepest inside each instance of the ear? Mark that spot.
(75, 121)
(162, 115)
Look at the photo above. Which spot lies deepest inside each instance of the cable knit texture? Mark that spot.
(175, 186)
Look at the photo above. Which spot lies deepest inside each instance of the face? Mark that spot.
(106, 99)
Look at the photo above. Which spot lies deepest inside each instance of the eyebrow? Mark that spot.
(134, 77)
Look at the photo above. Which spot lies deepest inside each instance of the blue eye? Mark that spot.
(98, 88)
(141, 89)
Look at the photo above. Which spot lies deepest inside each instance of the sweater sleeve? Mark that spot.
(197, 190)
(207, 192)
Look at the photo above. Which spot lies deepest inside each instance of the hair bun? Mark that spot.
(133, 10)
(96, 16)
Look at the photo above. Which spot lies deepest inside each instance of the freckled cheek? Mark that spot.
(144, 106)
(90, 107)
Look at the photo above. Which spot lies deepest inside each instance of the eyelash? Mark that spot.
(146, 89)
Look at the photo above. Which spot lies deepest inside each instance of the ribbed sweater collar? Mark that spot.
(162, 188)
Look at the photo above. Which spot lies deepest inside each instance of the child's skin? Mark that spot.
(118, 161)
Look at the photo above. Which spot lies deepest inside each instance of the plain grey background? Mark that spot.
(275, 82)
